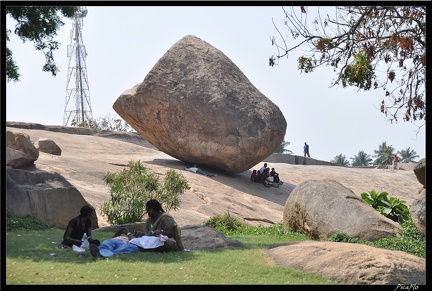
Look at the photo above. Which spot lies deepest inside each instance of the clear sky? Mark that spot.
(123, 43)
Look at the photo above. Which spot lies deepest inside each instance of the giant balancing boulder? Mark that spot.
(197, 106)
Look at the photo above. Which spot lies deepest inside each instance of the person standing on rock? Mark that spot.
(77, 227)
(306, 150)
(395, 162)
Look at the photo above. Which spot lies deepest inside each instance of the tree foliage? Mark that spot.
(106, 123)
(408, 156)
(341, 160)
(361, 159)
(379, 47)
(132, 187)
(38, 24)
(281, 148)
(384, 154)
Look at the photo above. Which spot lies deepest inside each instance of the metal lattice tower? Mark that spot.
(79, 112)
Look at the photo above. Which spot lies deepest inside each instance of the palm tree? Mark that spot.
(361, 159)
(281, 149)
(408, 156)
(341, 160)
(383, 155)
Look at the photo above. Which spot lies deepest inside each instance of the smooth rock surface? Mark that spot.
(197, 106)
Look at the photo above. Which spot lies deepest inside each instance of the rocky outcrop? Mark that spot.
(197, 106)
(418, 212)
(48, 146)
(20, 151)
(46, 196)
(321, 208)
(418, 207)
(420, 172)
(352, 263)
(30, 191)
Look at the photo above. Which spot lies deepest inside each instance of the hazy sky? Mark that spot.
(124, 43)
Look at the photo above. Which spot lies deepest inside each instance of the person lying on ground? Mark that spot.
(161, 234)
(118, 244)
(197, 170)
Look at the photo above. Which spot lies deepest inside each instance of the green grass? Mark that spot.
(29, 261)
(32, 257)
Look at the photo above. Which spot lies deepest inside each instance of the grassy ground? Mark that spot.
(33, 258)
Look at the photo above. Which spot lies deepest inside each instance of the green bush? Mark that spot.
(392, 207)
(230, 225)
(14, 222)
(225, 223)
(343, 237)
(132, 187)
(411, 241)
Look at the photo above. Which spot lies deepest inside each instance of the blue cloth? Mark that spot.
(113, 246)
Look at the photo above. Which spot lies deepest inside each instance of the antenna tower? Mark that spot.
(79, 112)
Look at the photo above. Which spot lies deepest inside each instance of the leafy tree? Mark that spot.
(38, 24)
(341, 160)
(132, 187)
(281, 149)
(408, 156)
(361, 159)
(383, 155)
(379, 47)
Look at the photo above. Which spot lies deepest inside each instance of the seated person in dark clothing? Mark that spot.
(275, 176)
(253, 175)
(260, 177)
(77, 227)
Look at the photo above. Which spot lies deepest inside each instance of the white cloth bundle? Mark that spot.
(147, 242)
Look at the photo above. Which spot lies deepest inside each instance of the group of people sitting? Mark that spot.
(161, 234)
(266, 176)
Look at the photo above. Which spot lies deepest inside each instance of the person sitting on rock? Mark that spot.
(261, 170)
(276, 178)
(253, 175)
(267, 179)
(259, 177)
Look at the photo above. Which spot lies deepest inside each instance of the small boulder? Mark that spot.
(20, 151)
(321, 208)
(418, 212)
(48, 146)
(351, 263)
(420, 172)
